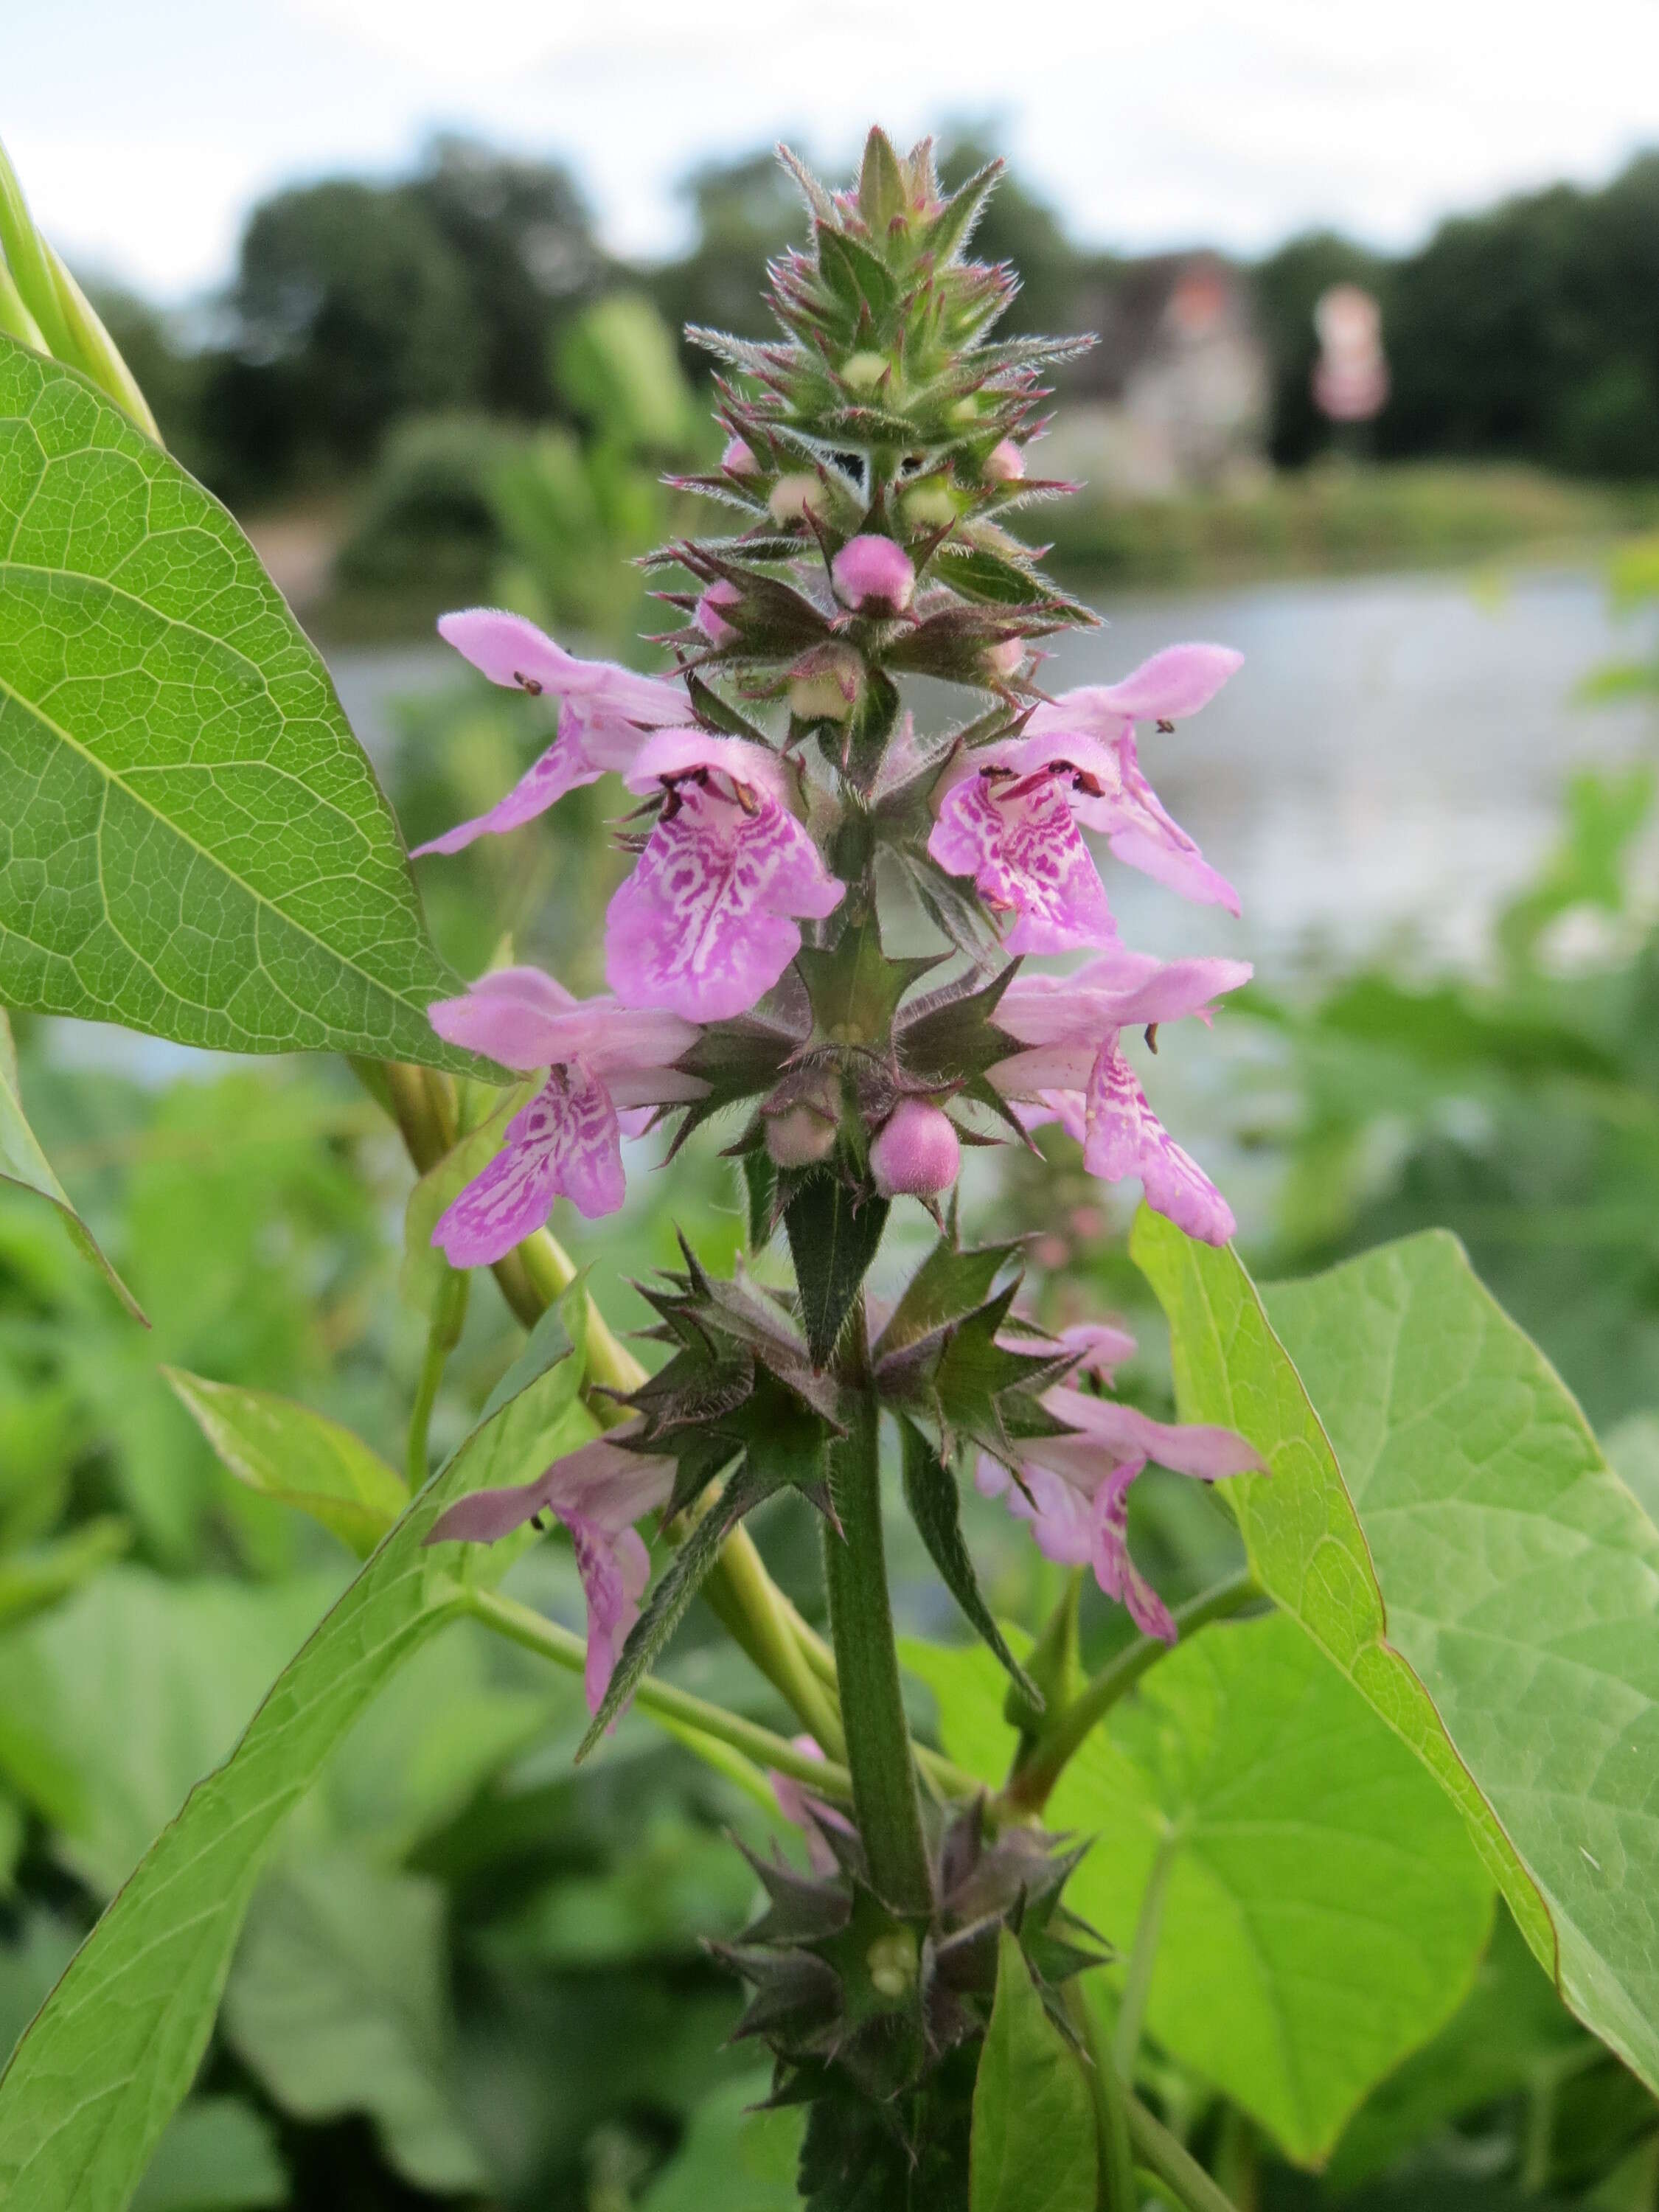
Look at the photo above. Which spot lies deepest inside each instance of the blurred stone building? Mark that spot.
(1177, 395)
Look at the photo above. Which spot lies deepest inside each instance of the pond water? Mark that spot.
(1388, 763)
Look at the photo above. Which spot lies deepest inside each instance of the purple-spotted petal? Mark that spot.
(1026, 858)
(614, 1570)
(705, 925)
(1123, 1137)
(564, 1144)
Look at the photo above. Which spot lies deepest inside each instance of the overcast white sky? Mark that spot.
(144, 130)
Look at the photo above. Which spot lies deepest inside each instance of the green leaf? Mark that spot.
(1453, 1539)
(195, 843)
(23, 1163)
(972, 1697)
(338, 2004)
(91, 2085)
(285, 1451)
(833, 1235)
(1034, 2147)
(734, 2157)
(33, 1580)
(950, 1284)
(218, 2155)
(930, 1491)
(1322, 1912)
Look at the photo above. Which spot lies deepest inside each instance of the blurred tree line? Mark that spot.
(1529, 332)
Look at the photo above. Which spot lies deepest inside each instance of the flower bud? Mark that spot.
(710, 620)
(930, 507)
(1006, 660)
(872, 570)
(825, 684)
(917, 1153)
(892, 1962)
(862, 372)
(799, 1137)
(1004, 463)
(738, 459)
(794, 497)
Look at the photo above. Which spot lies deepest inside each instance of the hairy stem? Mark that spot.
(866, 1660)
(1175, 2166)
(1064, 1734)
(522, 1624)
(1117, 2190)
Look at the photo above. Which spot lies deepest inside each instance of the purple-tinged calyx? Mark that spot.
(607, 1065)
(1076, 1487)
(604, 714)
(1073, 1069)
(709, 919)
(872, 573)
(599, 1493)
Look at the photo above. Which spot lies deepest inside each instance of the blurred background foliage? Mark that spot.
(473, 1976)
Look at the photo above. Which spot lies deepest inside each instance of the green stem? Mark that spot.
(751, 1607)
(866, 1660)
(522, 1624)
(1064, 1735)
(1118, 2192)
(443, 1334)
(1137, 1980)
(1176, 2167)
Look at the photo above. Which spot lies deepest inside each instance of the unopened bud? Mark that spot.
(1006, 660)
(872, 570)
(1004, 463)
(738, 459)
(825, 684)
(710, 620)
(793, 498)
(862, 371)
(799, 1137)
(917, 1154)
(930, 507)
(891, 1960)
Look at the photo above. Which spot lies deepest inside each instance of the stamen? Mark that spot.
(529, 683)
(1152, 1036)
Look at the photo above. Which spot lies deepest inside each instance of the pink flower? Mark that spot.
(710, 620)
(738, 459)
(1076, 1493)
(1093, 730)
(599, 1491)
(812, 1815)
(917, 1153)
(706, 924)
(872, 570)
(1074, 1070)
(1101, 1349)
(604, 1061)
(1007, 822)
(604, 711)
(1005, 463)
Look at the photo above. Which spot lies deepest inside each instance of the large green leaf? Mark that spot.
(91, 2085)
(194, 843)
(338, 2003)
(285, 1451)
(1034, 2146)
(1452, 1537)
(23, 1163)
(1322, 1909)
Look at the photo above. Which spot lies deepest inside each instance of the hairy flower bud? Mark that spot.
(710, 620)
(825, 684)
(872, 570)
(1005, 463)
(917, 1153)
(930, 507)
(1005, 660)
(738, 459)
(862, 372)
(794, 497)
(799, 1137)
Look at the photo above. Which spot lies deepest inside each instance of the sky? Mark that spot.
(143, 133)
